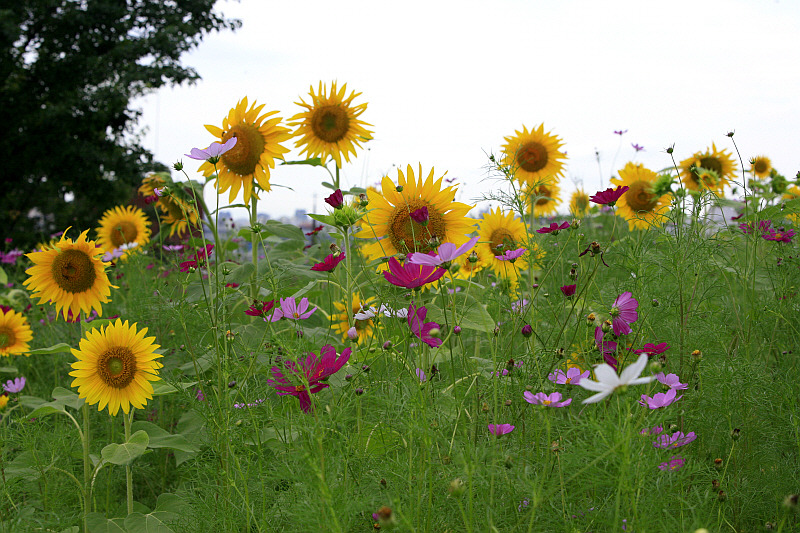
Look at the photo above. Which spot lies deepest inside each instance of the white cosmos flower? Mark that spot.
(372, 312)
(608, 380)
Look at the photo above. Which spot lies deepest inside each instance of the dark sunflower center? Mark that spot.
(582, 202)
(73, 271)
(761, 166)
(7, 337)
(117, 367)
(330, 123)
(123, 232)
(532, 156)
(174, 210)
(708, 163)
(502, 241)
(243, 158)
(544, 193)
(640, 197)
(409, 236)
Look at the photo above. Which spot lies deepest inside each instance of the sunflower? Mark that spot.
(330, 125)
(14, 333)
(640, 206)
(761, 166)
(257, 146)
(70, 275)
(546, 195)
(115, 367)
(340, 322)
(793, 193)
(579, 203)
(500, 232)
(177, 213)
(534, 156)
(711, 169)
(122, 226)
(467, 268)
(389, 216)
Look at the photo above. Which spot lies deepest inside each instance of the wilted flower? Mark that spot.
(421, 375)
(568, 290)
(420, 216)
(335, 200)
(423, 330)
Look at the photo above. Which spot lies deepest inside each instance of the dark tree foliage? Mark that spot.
(69, 70)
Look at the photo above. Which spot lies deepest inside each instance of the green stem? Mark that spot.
(254, 242)
(87, 467)
(126, 419)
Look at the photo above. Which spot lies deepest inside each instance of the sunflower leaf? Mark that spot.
(161, 438)
(61, 347)
(325, 219)
(124, 454)
(99, 523)
(314, 162)
(3, 277)
(67, 397)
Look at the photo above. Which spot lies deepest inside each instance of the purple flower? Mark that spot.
(420, 216)
(653, 349)
(420, 328)
(572, 376)
(11, 257)
(671, 380)
(620, 132)
(676, 440)
(500, 429)
(329, 263)
(527, 330)
(778, 236)
(764, 227)
(655, 430)
(173, 247)
(15, 386)
(310, 372)
(511, 255)
(607, 348)
(421, 375)
(352, 334)
(335, 200)
(553, 228)
(623, 313)
(675, 463)
(215, 150)
(568, 290)
(446, 253)
(637, 147)
(292, 310)
(609, 196)
(411, 276)
(548, 400)
(660, 399)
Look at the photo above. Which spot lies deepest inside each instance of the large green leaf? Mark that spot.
(161, 438)
(61, 347)
(97, 523)
(124, 454)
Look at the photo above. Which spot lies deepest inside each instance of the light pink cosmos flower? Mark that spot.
(660, 399)
(511, 255)
(292, 310)
(671, 380)
(675, 463)
(215, 150)
(14, 386)
(623, 313)
(572, 376)
(655, 430)
(548, 400)
(676, 440)
(446, 253)
(421, 375)
(500, 429)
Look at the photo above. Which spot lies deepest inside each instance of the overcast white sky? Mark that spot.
(447, 81)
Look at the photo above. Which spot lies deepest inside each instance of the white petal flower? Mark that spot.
(608, 381)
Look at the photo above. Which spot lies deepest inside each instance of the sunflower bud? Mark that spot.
(178, 165)
(399, 188)
(590, 319)
(697, 355)
(363, 200)
(718, 463)
(473, 257)
(735, 433)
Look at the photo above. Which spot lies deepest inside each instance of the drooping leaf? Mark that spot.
(127, 452)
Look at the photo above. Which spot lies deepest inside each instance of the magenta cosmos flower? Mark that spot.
(511, 255)
(671, 380)
(199, 258)
(572, 376)
(420, 328)
(305, 379)
(14, 386)
(607, 348)
(778, 236)
(335, 200)
(653, 349)
(292, 310)
(675, 463)
(609, 196)
(553, 228)
(660, 399)
(676, 440)
(329, 263)
(500, 429)
(420, 216)
(568, 290)
(547, 400)
(260, 308)
(623, 313)
(446, 253)
(215, 150)
(411, 276)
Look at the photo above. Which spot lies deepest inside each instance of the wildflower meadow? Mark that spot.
(620, 360)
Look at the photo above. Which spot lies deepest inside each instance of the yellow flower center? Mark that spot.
(640, 197)
(123, 232)
(7, 337)
(73, 271)
(330, 123)
(296, 314)
(409, 236)
(568, 381)
(299, 388)
(532, 156)
(116, 367)
(546, 402)
(243, 158)
(501, 241)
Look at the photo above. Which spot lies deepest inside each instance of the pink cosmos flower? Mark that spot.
(314, 230)
(260, 308)
(568, 290)
(305, 379)
(548, 400)
(14, 386)
(292, 310)
(623, 313)
(410, 275)
(660, 399)
(214, 150)
(609, 196)
(500, 429)
(637, 147)
(420, 328)
(778, 236)
(446, 253)
(335, 200)
(676, 440)
(329, 263)
(655, 430)
(11, 257)
(764, 227)
(421, 375)
(653, 349)
(172, 247)
(511, 255)
(553, 228)
(572, 376)
(199, 258)
(620, 132)
(671, 380)
(675, 463)
(420, 216)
